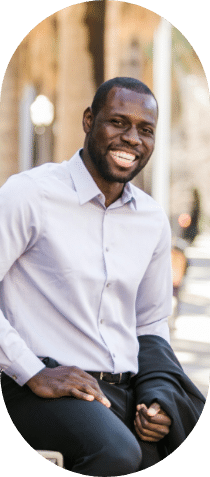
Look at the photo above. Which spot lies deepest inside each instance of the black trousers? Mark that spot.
(93, 439)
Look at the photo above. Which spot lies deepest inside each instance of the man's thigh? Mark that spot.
(91, 437)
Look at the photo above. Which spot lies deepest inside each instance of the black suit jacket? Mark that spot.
(162, 379)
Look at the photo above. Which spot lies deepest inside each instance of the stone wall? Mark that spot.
(9, 122)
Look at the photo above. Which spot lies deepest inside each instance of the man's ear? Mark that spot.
(87, 120)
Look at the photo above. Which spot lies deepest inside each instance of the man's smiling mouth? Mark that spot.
(122, 158)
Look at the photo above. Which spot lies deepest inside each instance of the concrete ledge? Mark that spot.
(54, 457)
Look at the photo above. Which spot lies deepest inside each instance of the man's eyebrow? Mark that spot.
(148, 123)
(121, 115)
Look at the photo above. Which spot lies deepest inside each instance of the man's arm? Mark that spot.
(154, 297)
(153, 306)
(21, 226)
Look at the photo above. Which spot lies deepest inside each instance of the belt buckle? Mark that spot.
(102, 375)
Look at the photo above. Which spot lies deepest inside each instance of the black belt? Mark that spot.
(111, 378)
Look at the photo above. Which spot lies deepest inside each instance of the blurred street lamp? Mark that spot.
(42, 116)
(42, 111)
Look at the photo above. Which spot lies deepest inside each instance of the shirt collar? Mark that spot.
(86, 187)
(128, 194)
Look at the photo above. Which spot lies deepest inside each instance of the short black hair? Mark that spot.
(121, 82)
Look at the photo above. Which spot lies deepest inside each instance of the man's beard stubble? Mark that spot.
(103, 168)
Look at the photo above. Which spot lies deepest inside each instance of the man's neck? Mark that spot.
(111, 190)
(111, 193)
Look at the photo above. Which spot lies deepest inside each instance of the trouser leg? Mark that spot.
(122, 399)
(92, 438)
(152, 453)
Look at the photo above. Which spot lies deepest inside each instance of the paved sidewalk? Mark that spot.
(190, 339)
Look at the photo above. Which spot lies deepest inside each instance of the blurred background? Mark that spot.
(52, 78)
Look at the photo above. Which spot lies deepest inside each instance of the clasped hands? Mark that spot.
(151, 424)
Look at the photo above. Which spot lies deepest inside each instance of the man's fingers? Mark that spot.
(156, 417)
(89, 393)
(106, 402)
(140, 406)
(146, 431)
(161, 419)
(151, 426)
(101, 398)
(80, 395)
(146, 435)
(148, 428)
(95, 390)
(87, 385)
(145, 438)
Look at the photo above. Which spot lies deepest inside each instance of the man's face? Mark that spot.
(121, 138)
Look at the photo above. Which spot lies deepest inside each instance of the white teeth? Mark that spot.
(124, 155)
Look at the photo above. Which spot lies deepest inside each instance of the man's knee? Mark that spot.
(114, 451)
(125, 456)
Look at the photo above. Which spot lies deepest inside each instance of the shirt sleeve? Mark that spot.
(154, 298)
(20, 212)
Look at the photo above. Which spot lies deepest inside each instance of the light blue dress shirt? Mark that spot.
(79, 281)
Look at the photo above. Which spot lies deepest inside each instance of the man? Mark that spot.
(85, 273)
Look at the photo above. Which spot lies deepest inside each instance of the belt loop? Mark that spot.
(101, 375)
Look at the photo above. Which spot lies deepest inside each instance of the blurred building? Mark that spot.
(67, 56)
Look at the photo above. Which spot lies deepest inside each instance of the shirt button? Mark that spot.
(108, 285)
(107, 249)
(102, 321)
(113, 355)
(14, 377)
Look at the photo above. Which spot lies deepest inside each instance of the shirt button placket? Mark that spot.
(106, 247)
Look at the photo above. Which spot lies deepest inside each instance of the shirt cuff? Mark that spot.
(24, 368)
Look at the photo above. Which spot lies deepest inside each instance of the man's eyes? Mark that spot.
(148, 131)
(117, 122)
(142, 129)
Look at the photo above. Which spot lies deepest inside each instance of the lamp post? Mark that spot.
(42, 116)
(162, 90)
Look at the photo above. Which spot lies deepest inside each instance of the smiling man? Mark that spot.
(120, 137)
(85, 295)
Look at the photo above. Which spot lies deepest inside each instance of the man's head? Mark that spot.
(132, 84)
(120, 129)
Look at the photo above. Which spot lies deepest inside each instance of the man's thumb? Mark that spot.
(153, 409)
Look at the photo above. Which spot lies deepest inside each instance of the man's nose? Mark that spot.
(131, 136)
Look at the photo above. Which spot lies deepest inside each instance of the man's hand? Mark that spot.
(151, 424)
(67, 381)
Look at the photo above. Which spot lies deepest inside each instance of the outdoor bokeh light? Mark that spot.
(184, 220)
(42, 111)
